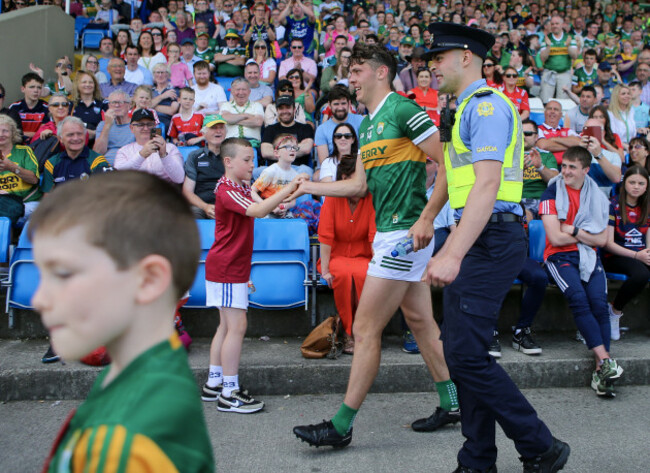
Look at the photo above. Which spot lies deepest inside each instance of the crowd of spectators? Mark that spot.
(204, 71)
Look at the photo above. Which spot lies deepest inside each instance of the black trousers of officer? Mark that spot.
(485, 391)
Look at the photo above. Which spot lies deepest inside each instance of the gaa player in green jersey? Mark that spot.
(395, 140)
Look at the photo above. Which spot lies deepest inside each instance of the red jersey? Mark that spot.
(546, 131)
(31, 118)
(229, 258)
(547, 207)
(180, 126)
(519, 97)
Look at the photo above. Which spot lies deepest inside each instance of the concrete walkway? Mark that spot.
(275, 367)
(606, 436)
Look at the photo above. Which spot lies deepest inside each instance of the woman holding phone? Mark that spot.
(611, 141)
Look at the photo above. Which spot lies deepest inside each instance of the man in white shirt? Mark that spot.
(135, 73)
(244, 118)
(208, 96)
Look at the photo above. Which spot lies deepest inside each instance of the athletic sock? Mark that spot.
(215, 377)
(448, 395)
(230, 384)
(344, 419)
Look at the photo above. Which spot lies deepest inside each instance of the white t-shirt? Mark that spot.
(328, 168)
(212, 96)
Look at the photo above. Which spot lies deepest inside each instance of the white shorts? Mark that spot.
(224, 294)
(402, 268)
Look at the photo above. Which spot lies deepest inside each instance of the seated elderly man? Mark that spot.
(553, 137)
(76, 161)
(117, 69)
(114, 132)
(150, 152)
(244, 118)
(204, 167)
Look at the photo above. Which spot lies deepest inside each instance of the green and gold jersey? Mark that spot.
(581, 77)
(395, 166)
(149, 418)
(11, 183)
(558, 59)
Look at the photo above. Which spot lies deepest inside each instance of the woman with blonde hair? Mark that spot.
(621, 115)
(87, 101)
(268, 67)
(90, 64)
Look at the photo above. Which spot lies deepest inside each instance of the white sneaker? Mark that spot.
(614, 322)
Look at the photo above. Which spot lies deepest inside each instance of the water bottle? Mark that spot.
(402, 248)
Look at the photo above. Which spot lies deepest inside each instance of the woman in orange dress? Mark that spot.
(345, 231)
(425, 96)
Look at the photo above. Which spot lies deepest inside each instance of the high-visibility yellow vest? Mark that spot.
(458, 159)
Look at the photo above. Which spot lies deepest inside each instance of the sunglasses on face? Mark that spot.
(510, 76)
(59, 104)
(488, 65)
(2, 96)
(347, 136)
(296, 47)
(90, 61)
(156, 34)
(529, 133)
(61, 64)
(260, 47)
(294, 78)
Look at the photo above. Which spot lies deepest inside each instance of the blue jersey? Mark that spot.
(485, 129)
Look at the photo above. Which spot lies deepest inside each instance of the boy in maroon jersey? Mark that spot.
(228, 269)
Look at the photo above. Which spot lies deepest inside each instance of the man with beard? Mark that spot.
(339, 101)
(209, 96)
(287, 124)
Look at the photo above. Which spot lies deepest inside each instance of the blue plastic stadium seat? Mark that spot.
(186, 151)
(5, 239)
(537, 240)
(80, 23)
(226, 82)
(23, 274)
(90, 39)
(537, 117)
(280, 263)
(197, 291)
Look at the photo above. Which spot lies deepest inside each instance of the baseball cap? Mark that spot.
(605, 66)
(211, 120)
(203, 33)
(408, 41)
(187, 41)
(284, 100)
(142, 114)
(232, 33)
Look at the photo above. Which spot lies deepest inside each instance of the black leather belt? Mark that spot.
(502, 217)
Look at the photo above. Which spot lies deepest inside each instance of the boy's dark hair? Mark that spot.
(282, 137)
(189, 90)
(590, 52)
(346, 167)
(528, 121)
(578, 153)
(338, 92)
(200, 65)
(229, 146)
(30, 76)
(130, 215)
(376, 56)
(588, 88)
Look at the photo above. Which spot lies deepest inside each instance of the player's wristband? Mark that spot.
(541, 168)
(575, 232)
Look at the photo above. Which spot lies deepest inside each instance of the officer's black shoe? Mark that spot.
(466, 469)
(323, 434)
(436, 420)
(550, 461)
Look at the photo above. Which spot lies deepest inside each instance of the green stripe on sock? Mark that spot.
(344, 419)
(448, 395)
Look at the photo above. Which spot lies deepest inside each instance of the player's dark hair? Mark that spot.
(376, 56)
(578, 153)
(346, 167)
(229, 146)
(30, 76)
(153, 214)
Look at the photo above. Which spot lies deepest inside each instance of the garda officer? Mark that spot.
(479, 261)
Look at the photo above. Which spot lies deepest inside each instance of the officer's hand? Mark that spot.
(441, 270)
(422, 233)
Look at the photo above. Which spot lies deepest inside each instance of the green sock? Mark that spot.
(448, 395)
(344, 418)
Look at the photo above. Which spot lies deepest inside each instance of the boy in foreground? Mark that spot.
(99, 288)
(228, 270)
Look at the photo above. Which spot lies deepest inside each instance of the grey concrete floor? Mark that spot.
(605, 435)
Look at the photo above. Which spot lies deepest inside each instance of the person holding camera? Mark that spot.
(150, 152)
